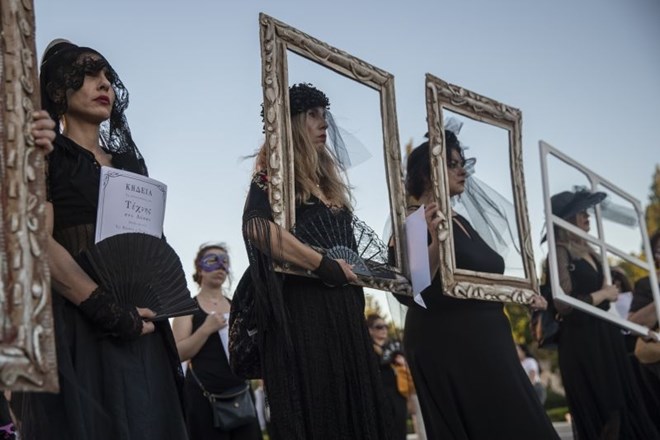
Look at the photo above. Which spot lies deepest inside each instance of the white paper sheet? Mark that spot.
(224, 335)
(622, 304)
(418, 253)
(129, 202)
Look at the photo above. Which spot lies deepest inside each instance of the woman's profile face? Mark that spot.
(94, 100)
(456, 174)
(213, 267)
(582, 221)
(316, 125)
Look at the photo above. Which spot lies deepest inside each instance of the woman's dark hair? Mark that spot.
(64, 67)
(373, 317)
(418, 168)
(619, 275)
(655, 238)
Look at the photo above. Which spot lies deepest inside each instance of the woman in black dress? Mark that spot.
(320, 374)
(386, 352)
(601, 389)
(119, 375)
(461, 352)
(198, 340)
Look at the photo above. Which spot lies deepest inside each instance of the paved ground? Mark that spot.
(562, 428)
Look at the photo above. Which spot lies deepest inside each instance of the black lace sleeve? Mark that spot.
(257, 228)
(273, 337)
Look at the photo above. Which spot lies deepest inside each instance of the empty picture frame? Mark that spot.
(441, 98)
(27, 345)
(276, 39)
(602, 238)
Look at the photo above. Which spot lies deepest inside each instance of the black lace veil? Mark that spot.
(63, 68)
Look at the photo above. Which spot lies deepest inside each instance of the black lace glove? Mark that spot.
(331, 273)
(120, 320)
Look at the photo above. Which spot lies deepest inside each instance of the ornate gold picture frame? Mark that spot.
(441, 96)
(276, 39)
(27, 345)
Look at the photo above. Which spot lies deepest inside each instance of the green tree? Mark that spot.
(653, 209)
(652, 217)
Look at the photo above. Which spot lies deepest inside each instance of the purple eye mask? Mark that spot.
(211, 262)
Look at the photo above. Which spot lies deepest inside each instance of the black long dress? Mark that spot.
(212, 369)
(464, 364)
(320, 374)
(109, 389)
(601, 388)
(397, 404)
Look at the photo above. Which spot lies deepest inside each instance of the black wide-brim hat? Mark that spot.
(568, 204)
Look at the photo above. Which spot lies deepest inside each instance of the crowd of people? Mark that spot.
(328, 372)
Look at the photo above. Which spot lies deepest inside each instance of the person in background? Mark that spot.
(396, 401)
(643, 311)
(533, 370)
(199, 341)
(602, 394)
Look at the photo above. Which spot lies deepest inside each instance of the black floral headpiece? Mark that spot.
(303, 97)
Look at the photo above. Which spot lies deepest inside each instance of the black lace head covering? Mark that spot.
(303, 97)
(63, 67)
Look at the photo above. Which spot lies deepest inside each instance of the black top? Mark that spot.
(109, 389)
(642, 294)
(471, 253)
(210, 363)
(73, 181)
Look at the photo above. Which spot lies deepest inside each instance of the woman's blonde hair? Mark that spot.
(576, 246)
(315, 169)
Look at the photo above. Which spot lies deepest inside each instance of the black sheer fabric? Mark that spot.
(63, 68)
(470, 383)
(319, 371)
(109, 389)
(602, 393)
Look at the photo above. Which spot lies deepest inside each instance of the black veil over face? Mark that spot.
(63, 68)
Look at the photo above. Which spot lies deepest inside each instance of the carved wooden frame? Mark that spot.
(276, 38)
(27, 343)
(462, 283)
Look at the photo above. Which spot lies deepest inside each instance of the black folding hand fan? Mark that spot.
(343, 236)
(144, 271)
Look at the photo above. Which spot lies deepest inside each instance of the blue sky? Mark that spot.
(586, 76)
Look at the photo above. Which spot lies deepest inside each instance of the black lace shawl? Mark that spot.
(274, 339)
(63, 68)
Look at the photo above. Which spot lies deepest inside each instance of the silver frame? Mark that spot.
(27, 341)
(551, 220)
(276, 38)
(462, 283)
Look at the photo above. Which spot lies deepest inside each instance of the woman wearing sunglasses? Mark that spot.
(199, 341)
(386, 353)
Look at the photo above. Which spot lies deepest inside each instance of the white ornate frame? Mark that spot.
(27, 345)
(596, 182)
(276, 39)
(462, 283)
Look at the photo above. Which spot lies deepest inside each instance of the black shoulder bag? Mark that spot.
(231, 409)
